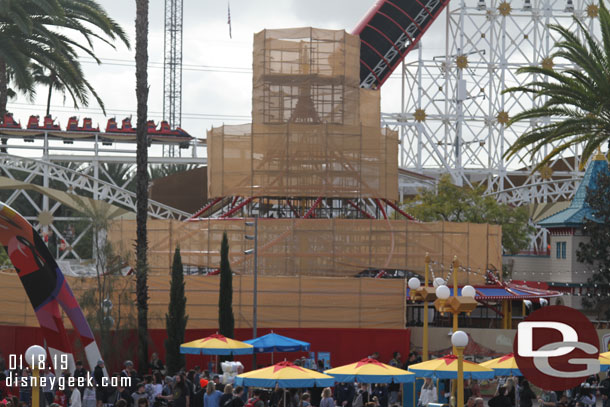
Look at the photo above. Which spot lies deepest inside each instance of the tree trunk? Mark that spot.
(142, 181)
(3, 88)
(49, 99)
(3, 98)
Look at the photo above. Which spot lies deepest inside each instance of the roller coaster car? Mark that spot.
(126, 126)
(111, 126)
(49, 124)
(87, 125)
(9, 122)
(151, 127)
(183, 133)
(165, 130)
(33, 122)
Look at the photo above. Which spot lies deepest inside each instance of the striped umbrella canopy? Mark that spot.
(604, 361)
(446, 368)
(370, 371)
(216, 345)
(273, 342)
(504, 365)
(285, 375)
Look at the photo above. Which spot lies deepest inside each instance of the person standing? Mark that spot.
(130, 372)
(526, 395)
(98, 375)
(75, 398)
(394, 388)
(327, 399)
(89, 397)
(227, 398)
(156, 364)
(211, 398)
(180, 395)
(79, 372)
(140, 393)
(48, 388)
(428, 393)
(25, 392)
(238, 399)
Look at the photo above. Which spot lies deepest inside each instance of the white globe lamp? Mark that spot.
(469, 291)
(443, 292)
(35, 355)
(438, 282)
(414, 283)
(459, 339)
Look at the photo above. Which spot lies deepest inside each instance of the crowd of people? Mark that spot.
(201, 388)
(517, 392)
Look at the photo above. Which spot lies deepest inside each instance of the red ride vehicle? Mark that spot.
(33, 122)
(112, 127)
(49, 123)
(9, 122)
(87, 125)
(151, 127)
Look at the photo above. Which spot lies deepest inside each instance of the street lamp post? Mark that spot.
(456, 304)
(255, 282)
(425, 294)
(459, 340)
(36, 357)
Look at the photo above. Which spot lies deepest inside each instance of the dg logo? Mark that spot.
(556, 348)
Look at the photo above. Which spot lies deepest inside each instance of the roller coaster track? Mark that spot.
(76, 181)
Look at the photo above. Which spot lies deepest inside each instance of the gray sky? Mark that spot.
(212, 94)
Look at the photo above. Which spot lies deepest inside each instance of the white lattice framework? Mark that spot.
(78, 169)
(460, 93)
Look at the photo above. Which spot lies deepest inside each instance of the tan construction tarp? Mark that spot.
(318, 247)
(282, 302)
(314, 132)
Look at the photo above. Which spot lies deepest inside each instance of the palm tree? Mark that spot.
(41, 76)
(47, 32)
(577, 96)
(142, 181)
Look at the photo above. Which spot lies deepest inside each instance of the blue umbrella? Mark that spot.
(277, 343)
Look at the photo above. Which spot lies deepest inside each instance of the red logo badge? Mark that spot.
(556, 348)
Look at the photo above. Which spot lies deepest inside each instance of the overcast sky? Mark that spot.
(217, 76)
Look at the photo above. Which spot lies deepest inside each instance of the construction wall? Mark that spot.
(290, 302)
(314, 132)
(318, 247)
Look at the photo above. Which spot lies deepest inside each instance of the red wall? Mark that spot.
(345, 345)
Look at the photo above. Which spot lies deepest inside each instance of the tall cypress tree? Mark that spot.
(226, 321)
(176, 318)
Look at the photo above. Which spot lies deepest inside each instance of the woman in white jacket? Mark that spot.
(428, 393)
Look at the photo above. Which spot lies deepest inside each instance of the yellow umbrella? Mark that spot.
(504, 365)
(370, 371)
(446, 368)
(604, 361)
(216, 345)
(285, 375)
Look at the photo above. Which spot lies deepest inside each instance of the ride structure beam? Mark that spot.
(389, 31)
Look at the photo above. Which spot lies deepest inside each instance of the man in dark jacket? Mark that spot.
(345, 394)
(80, 371)
(100, 391)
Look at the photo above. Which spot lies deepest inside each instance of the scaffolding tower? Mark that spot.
(172, 65)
